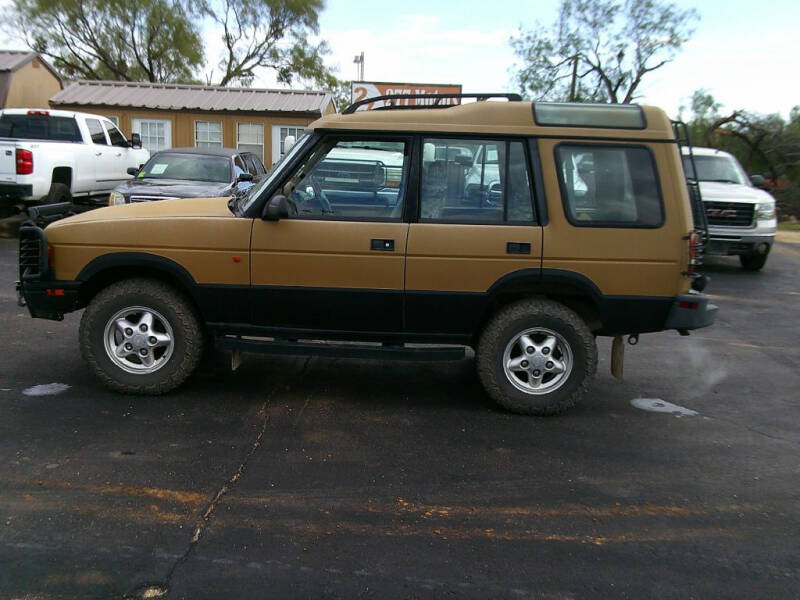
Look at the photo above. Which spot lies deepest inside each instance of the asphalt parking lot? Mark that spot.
(323, 478)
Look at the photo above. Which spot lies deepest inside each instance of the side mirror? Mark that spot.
(244, 177)
(136, 140)
(758, 181)
(276, 209)
(133, 171)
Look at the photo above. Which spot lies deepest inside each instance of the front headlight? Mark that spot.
(765, 211)
(115, 198)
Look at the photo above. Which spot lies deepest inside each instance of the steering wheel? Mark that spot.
(320, 195)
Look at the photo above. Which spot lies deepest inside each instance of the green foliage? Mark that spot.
(142, 40)
(599, 50)
(767, 145)
(269, 34)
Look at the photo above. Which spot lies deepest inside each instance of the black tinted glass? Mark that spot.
(39, 127)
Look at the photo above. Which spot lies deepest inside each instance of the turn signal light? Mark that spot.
(24, 162)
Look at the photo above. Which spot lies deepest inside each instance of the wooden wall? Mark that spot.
(32, 86)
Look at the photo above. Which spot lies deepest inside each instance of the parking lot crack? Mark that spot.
(205, 519)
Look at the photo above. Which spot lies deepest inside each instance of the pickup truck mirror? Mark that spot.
(277, 208)
(136, 140)
(758, 181)
(133, 171)
(244, 177)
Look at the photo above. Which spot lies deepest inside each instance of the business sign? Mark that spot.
(361, 90)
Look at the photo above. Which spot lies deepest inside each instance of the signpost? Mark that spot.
(359, 90)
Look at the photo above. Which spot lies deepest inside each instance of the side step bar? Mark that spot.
(374, 352)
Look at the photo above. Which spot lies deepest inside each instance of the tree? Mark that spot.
(141, 40)
(269, 34)
(600, 50)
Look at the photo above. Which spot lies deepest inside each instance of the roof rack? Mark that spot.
(480, 97)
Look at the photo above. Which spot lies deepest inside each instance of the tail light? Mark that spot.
(24, 162)
(694, 241)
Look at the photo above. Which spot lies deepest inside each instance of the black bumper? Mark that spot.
(49, 299)
(15, 191)
(691, 311)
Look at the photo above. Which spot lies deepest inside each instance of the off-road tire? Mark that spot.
(522, 315)
(149, 293)
(753, 262)
(59, 192)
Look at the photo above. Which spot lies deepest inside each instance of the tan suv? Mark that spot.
(523, 230)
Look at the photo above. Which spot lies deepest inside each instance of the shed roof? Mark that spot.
(11, 60)
(165, 96)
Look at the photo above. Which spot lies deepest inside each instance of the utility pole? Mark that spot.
(359, 62)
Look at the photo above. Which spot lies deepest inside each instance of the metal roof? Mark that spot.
(165, 96)
(11, 60)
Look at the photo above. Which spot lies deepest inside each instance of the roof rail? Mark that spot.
(480, 97)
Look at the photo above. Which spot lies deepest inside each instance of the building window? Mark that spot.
(279, 134)
(113, 119)
(208, 134)
(156, 133)
(250, 137)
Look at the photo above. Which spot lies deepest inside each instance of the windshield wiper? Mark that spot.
(721, 180)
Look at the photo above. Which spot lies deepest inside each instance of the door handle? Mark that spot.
(98, 154)
(119, 153)
(382, 245)
(518, 248)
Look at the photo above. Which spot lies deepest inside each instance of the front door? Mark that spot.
(337, 263)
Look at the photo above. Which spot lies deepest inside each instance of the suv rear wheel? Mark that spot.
(536, 357)
(140, 336)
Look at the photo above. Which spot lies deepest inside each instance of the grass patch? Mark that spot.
(787, 226)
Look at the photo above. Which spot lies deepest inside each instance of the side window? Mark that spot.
(96, 132)
(238, 165)
(116, 137)
(607, 186)
(251, 165)
(475, 181)
(350, 179)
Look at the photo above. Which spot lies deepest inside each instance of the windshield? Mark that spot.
(189, 167)
(253, 193)
(720, 168)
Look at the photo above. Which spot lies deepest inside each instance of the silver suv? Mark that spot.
(741, 217)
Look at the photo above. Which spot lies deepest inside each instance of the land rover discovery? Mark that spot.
(522, 230)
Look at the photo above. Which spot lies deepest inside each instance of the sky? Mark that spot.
(743, 52)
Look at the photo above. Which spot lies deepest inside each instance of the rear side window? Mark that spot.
(475, 181)
(96, 132)
(40, 127)
(609, 186)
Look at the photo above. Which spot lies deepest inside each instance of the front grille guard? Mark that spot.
(33, 263)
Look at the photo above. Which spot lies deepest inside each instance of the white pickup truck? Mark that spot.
(57, 156)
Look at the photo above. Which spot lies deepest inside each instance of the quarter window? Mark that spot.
(250, 137)
(609, 186)
(350, 180)
(208, 134)
(96, 132)
(475, 181)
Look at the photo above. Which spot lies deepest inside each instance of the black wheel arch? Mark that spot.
(573, 290)
(116, 266)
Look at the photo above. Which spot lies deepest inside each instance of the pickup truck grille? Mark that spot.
(30, 252)
(729, 214)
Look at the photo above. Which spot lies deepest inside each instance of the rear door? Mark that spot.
(337, 263)
(477, 225)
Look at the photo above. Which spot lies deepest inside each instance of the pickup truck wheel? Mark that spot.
(536, 357)
(752, 262)
(59, 192)
(140, 336)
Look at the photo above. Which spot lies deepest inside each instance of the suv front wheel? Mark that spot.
(141, 336)
(536, 357)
